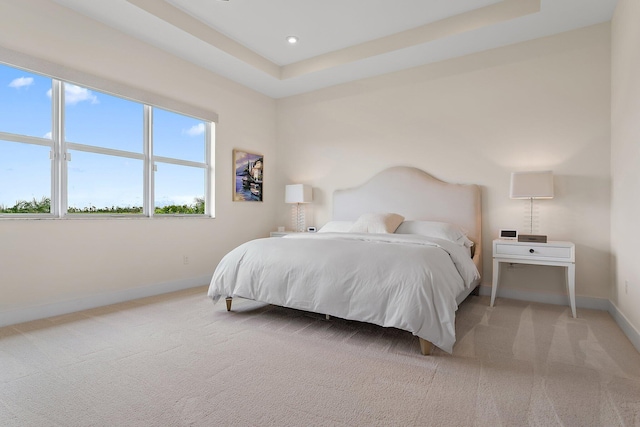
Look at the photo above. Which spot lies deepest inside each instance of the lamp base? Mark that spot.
(297, 217)
(533, 238)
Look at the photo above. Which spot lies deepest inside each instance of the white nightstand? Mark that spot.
(280, 233)
(561, 254)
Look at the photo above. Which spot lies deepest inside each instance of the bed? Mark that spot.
(402, 250)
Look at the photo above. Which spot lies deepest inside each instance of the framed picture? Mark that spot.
(248, 169)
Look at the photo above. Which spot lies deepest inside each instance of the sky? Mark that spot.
(100, 120)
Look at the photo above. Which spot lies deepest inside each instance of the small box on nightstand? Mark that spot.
(532, 238)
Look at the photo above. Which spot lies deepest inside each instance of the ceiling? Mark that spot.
(339, 40)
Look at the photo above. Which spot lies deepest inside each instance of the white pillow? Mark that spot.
(440, 230)
(377, 223)
(337, 227)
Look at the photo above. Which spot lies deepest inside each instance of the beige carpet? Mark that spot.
(178, 360)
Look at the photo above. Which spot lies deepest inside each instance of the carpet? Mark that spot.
(179, 360)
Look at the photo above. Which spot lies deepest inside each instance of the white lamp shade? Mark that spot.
(298, 193)
(531, 185)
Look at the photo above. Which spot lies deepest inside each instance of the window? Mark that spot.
(180, 153)
(25, 142)
(67, 150)
(103, 135)
(26, 102)
(30, 166)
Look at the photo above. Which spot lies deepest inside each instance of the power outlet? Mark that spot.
(626, 287)
(185, 260)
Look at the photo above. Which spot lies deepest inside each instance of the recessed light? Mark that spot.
(292, 39)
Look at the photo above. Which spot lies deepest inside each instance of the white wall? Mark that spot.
(538, 105)
(56, 261)
(625, 160)
(543, 104)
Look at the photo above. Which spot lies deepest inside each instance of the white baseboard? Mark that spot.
(548, 298)
(41, 311)
(581, 302)
(629, 330)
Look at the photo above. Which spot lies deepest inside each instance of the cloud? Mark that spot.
(21, 82)
(74, 94)
(47, 135)
(195, 130)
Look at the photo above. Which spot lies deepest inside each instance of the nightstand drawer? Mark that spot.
(533, 251)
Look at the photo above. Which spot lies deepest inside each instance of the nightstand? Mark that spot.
(280, 233)
(560, 254)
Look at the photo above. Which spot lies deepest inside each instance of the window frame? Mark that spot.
(60, 154)
(152, 167)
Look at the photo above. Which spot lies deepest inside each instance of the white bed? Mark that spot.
(409, 281)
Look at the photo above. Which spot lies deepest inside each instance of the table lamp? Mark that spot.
(531, 185)
(297, 194)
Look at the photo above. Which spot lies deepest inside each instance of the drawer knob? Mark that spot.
(531, 251)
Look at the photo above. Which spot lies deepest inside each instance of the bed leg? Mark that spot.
(228, 300)
(425, 347)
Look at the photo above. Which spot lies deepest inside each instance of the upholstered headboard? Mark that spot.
(416, 195)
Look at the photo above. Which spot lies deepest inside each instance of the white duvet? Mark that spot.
(408, 282)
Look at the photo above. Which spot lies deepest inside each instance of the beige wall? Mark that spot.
(625, 159)
(48, 261)
(538, 105)
(542, 104)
